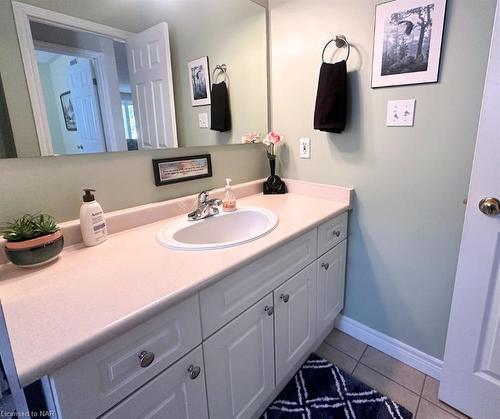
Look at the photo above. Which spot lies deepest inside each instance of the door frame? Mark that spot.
(97, 59)
(23, 14)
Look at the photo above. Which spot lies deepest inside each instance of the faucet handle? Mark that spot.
(203, 196)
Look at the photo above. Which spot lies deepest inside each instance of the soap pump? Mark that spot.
(229, 201)
(92, 221)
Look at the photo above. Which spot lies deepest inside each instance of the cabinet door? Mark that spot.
(295, 319)
(240, 363)
(331, 280)
(177, 393)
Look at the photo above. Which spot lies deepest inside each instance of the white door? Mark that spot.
(178, 392)
(471, 372)
(148, 55)
(294, 320)
(331, 282)
(239, 362)
(86, 107)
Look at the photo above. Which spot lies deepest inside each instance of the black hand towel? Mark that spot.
(220, 113)
(331, 99)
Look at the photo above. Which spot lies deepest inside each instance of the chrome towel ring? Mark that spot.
(218, 70)
(340, 41)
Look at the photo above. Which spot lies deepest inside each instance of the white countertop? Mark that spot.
(89, 295)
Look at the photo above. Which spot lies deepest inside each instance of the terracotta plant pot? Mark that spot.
(35, 252)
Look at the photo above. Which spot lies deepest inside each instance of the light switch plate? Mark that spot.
(203, 120)
(305, 148)
(400, 113)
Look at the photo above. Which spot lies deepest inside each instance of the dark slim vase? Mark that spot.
(272, 165)
(273, 184)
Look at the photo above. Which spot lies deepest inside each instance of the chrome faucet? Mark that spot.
(206, 207)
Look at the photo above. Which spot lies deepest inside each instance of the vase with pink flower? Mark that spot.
(273, 184)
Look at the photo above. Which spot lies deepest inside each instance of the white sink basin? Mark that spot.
(220, 231)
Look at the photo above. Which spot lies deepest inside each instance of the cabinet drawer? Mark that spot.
(175, 393)
(232, 295)
(332, 232)
(240, 363)
(97, 381)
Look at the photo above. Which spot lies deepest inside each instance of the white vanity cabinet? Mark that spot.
(294, 319)
(240, 363)
(178, 392)
(223, 352)
(227, 298)
(331, 281)
(92, 384)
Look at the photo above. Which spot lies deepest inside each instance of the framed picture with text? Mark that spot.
(180, 169)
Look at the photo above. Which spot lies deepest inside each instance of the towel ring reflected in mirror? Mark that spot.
(220, 70)
(340, 41)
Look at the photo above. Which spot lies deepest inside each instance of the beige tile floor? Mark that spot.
(402, 383)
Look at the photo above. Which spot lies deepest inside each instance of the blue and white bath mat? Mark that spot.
(320, 390)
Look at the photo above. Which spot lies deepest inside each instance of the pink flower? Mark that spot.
(273, 138)
(250, 137)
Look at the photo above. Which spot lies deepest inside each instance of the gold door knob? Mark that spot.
(489, 206)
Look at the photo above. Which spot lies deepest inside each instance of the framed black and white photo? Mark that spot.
(407, 44)
(179, 169)
(68, 111)
(199, 81)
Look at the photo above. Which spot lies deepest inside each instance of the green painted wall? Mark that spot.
(410, 182)
(122, 180)
(7, 147)
(51, 96)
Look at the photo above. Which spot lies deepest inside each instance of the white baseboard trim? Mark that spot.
(401, 351)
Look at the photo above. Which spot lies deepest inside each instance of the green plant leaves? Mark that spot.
(28, 227)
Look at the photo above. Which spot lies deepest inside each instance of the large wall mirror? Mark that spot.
(99, 76)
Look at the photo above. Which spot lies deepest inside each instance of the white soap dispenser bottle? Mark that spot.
(229, 201)
(92, 222)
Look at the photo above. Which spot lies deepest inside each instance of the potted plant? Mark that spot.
(32, 240)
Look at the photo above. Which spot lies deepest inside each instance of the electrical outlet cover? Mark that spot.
(400, 113)
(203, 120)
(305, 148)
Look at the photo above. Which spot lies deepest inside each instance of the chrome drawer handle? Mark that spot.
(269, 310)
(285, 297)
(325, 266)
(146, 358)
(193, 371)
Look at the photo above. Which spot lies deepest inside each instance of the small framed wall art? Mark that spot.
(180, 169)
(68, 111)
(199, 81)
(407, 44)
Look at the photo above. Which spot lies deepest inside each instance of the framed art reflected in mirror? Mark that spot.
(68, 111)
